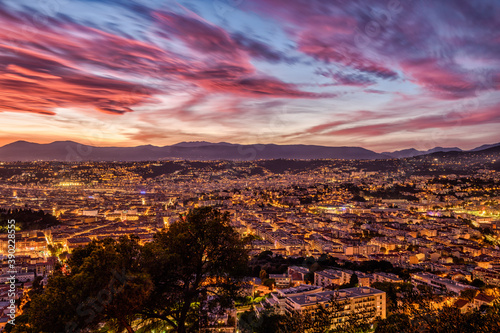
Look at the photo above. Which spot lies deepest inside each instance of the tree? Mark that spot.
(358, 198)
(309, 261)
(267, 321)
(309, 278)
(55, 249)
(265, 255)
(468, 294)
(314, 267)
(354, 281)
(269, 283)
(63, 256)
(104, 285)
(197, 266)
(263, 275)
(173, 283)
(477, 283)
(428, 318)
(27, 219)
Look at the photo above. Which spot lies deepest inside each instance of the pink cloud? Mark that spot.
(70, 65)
(410, 41)
(444, 81)
(487, 115)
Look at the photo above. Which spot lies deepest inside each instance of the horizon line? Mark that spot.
(247, 144)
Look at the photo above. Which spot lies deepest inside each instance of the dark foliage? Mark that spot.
(27, 219)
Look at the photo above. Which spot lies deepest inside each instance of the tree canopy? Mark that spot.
(195, 267)
(27, 219)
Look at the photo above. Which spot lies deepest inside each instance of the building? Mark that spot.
(365, 301)
(328, 277)
(483, 299)
(21, 277)
(364, 279)
(281, 280)
(73, 243)
(386, 277)
(277, 298)
(364, 250)
(338, 276)
(44, 268)
(488, 276)
(297, 273)
(462, 305)
(438, 284)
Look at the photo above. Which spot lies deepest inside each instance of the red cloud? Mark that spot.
(230, 70)
(40, 72)
(70, 65)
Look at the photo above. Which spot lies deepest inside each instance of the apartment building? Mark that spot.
(488, 276)
(438, 283)
(281, 280)
(365, 301)
(386, 277)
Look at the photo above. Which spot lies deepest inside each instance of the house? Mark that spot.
(417, 258)
(73, 243)
(488, 276)
(483, 299)
(462, 304)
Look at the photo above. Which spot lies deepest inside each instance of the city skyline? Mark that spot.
(385, 76)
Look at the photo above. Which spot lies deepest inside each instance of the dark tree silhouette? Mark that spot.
(103, 285)
(173, 283)
(196, 266)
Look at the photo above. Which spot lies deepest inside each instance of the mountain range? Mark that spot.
(73, 152)
(413, 152)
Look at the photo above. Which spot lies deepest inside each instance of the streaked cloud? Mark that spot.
(414, 66)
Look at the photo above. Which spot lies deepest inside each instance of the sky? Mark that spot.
(384, 75)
